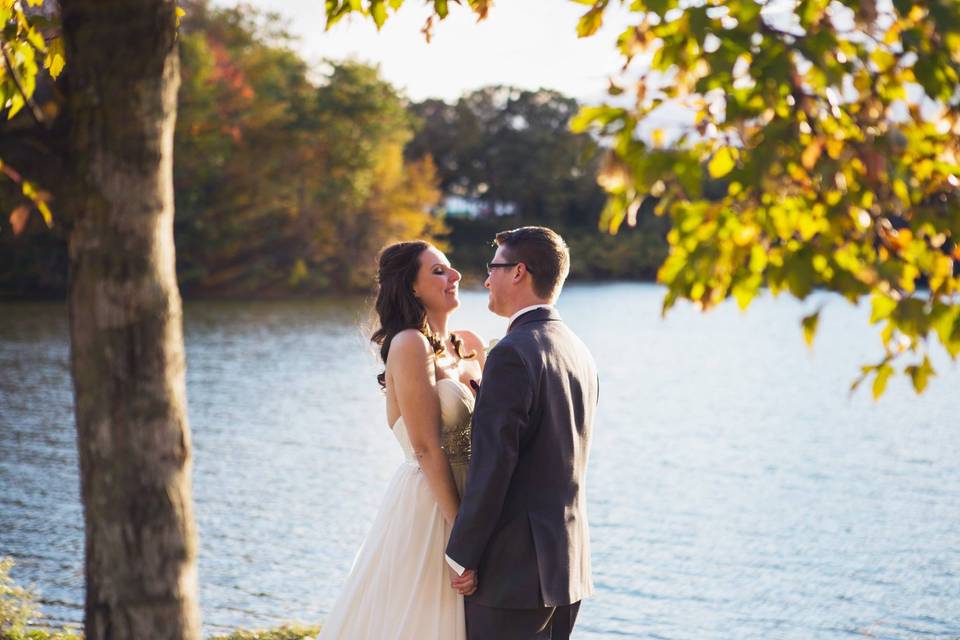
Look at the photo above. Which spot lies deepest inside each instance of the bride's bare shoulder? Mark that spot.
(409, 345)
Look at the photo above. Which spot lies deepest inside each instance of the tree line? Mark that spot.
(286, 183)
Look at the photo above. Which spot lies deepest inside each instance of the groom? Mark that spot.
(521, 533)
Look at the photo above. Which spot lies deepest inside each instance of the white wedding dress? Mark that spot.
(399, 586)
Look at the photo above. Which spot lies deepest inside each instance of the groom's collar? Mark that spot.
(536, 312)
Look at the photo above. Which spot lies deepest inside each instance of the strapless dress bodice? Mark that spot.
(456, 410)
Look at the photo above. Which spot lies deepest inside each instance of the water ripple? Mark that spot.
(735, 490)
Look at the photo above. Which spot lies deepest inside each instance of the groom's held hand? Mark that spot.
(466, 584)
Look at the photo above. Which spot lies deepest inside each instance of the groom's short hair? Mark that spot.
(544, 253)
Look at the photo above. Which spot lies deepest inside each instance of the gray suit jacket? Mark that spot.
(523, 519)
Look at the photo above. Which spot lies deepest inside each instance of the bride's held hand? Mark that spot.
(466, 584)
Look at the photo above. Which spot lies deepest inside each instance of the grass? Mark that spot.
(282, 633)
(286, 632)
(19, 614)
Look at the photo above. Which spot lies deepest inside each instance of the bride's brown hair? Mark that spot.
(397, 307)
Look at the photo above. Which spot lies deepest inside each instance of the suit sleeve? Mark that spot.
(502, 413)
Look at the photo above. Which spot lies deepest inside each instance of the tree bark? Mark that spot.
(127, 352)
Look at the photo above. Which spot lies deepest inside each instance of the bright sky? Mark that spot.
(525, 43)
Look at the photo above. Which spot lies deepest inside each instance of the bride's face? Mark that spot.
(437, 284)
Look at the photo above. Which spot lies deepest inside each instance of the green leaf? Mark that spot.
(946, 322)
(595, 116)
(613, 213)
(810, 11)
(722, 162)
(440, 7)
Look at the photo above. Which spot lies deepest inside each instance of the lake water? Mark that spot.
(735, 490)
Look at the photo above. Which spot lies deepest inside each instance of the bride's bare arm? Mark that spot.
(411, 372)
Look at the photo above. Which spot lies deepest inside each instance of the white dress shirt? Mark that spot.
(525, 309)
(453, 563)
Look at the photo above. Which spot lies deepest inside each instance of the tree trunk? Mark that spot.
(126, 321)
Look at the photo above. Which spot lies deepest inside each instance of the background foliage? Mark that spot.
(289, 179)
(821, 152)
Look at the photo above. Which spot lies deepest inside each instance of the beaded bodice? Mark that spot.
(456, 410)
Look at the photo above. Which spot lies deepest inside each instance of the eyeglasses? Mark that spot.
(493, 265)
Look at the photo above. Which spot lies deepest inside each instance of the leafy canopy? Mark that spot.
(29, 43)
(821, 153)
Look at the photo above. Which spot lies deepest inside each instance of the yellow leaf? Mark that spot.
(35, 38)
(745, 290)
(16, 103)
(758, 259)
(920, 374)
(811, 154)
(657, 136)
(697, 291)
(745, 235)
(590, 22)
(880, 382)
(881, 307)
(900, 189)
(722, 162)
(810, 327)
(883, 59)
(45, 212)
(55, 57)
(834, 148)
(917, 13)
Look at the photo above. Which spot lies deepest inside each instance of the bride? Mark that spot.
(399, 587)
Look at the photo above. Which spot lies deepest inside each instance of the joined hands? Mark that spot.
(466, 584)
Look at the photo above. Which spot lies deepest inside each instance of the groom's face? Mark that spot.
(498, 284)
